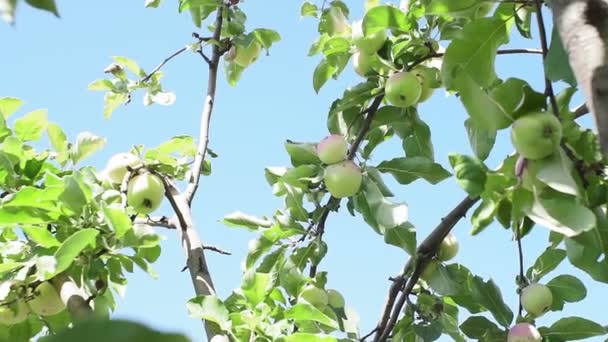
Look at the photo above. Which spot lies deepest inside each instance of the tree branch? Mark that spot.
(583, 28)
(175, 54)
(213, 64)
(545, 50)
(425, 251)
(73, 296)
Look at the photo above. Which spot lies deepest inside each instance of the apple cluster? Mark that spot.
(407, 88)
(342, 177)
(145, 190)
(320, 298)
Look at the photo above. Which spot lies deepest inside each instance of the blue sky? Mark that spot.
(48, 62)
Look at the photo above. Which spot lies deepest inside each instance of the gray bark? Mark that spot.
(583, 28)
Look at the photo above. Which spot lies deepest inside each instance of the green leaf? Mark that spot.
(441, 281)
(470, 173)
(323, 72)
(586, 259)
(402, 236)
(239, 219)
(101, 85)
(114, 330)
(477, 326)
(453, 8)
(111, 101)
(481, 139)
(9, 105)
(309, 9)
(41, 236)
(152, 3)
(474, 52)
(209, 308)
(572, 328)
(7, 266)
(307, 312)
(69, 250)
(256, 286)
(408, 170)
(45, 5)
(73, 196)
(556, 172)
(31, 126)
(418, 143)
(566, 288)
(557, 65)
(118, 220)
(86, 144)
(561, 213)
(545, 263)
(130, 64)
(302, 153)
(384, 17)
(266, 37)
(57, 137)
(308, 337)
(488, 295)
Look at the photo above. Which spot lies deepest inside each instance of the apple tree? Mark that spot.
(69, 232)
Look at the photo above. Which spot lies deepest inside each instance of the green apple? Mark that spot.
(315, 296)
(15, 312)
(335, 299)
(337, 24)
(524, 332)
(362, 63)
(536, 135)
(245, 55)
(370, 43)
(403, 89)
(448, 248)
(46, 301)
(332, 149)
(536, 299)
(343, 179)
(429, 79)
(145, 192)
(117, 166)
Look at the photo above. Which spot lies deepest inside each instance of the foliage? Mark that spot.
(60, 219)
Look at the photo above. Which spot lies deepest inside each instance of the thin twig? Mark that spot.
(521, 265)
(424, 253)
(175, 54)
(207, 110)
(581, 110)
(545, 50)
(216, 249)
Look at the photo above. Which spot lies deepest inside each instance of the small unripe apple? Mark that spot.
(335, 299)
(343, 179)
(524, 332)
(46, 301)
(332, 149)
(14, 313)
(370, 43)
(448, 248)
(362, 63)
(246, 55)
(315, 296)
(536, 299)
(403, 89)
(537, 135)
(145, 192)
(429, 80)
(117, 166)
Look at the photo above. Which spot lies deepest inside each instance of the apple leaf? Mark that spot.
(255, 286)
(474, 53)
(483, 215)
(408, 170)
(239, 219)
(118, 220)
(402, 236)
(41, 236)
(556, 172)
(453, 8)
(309, 9)
(323, 72)
(419, 143)
(302, 153)
(572, 328)
(442, 282)
(470, 173)
(308, 337)
(112, 330)
(561, 213)
(209, 308)
(566, 288)
(307, 312)
(545, 263)
(557, 66)
(31, 126)
(488, 295)
(9, 105)
(588, 260)
(475, 327)
(384, 17)
(45, 5)
(481, 139)
(69, 250)
(111, 101)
